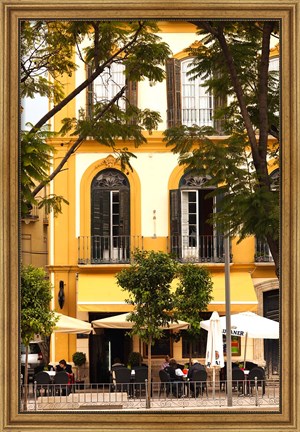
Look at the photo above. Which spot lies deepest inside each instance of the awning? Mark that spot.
(67, 324)
(242, 293)
(121, 322)
(100, 293)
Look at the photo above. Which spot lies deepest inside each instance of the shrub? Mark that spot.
(79, 358)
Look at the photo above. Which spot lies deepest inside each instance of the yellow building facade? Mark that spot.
(111, 212)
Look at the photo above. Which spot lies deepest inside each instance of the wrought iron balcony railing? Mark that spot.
(107, 249)
(117, 249)
(191, 116)
(204, 248)
(262, 252)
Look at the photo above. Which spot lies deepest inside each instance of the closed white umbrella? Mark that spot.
(214, 349)
(248, 324)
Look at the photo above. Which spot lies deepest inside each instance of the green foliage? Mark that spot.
(46, 54)
(236, 166)
(36, 154)
(79, 358)
(148, 283)
(192, 295)
(36, 317)
(47, 50)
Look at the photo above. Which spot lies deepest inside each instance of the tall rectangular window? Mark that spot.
(197, 101)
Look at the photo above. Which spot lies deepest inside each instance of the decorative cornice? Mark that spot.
(109, 162)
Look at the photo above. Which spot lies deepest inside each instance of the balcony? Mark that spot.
(200, 117)
(262, 252)
(201, 249)
(107, 249)
(117, 249)
(191, 116)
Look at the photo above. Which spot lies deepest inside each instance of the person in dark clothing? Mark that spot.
(117, 363)
(64, 367)
(196, 365)
(176, 377)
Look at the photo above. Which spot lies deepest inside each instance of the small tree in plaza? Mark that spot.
(148, 282)
(192, 296)
(36, 316)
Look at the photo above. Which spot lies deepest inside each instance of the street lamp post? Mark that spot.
(228, 320)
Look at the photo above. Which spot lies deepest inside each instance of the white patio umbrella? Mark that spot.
(121, 322)
(248, 324)
(66, 324)
(214, 349)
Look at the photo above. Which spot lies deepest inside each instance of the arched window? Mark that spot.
(110, 217)
(192, 235)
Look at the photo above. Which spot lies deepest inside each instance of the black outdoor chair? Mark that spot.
(223, 375)
(238, 380)
(259, 373)
(198, 383)
(250, 365)
(165, 382)
(141, 375)
(122, 379)
(43, 383)
(62, 383)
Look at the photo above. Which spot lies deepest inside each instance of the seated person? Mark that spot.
(64, 367)
(195, 387)
(196, 365)
(176, 377)
(117, 363)
(165, 363)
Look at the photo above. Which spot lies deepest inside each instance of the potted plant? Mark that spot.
(79, 359)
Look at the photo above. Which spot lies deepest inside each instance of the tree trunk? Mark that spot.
(26, 380)
(274, 249)
(148, 396)
(258, 148)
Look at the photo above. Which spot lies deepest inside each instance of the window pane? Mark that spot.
(197, 102)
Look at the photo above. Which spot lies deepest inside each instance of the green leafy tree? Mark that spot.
(133, 44)
(148, 282)
(233, 58)
(36, 317)
(192, 295)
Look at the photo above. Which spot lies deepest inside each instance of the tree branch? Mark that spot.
(77, 143)
(85, 84)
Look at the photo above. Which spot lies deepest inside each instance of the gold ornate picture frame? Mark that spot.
(287, 419)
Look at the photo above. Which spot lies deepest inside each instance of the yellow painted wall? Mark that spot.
(243, 252)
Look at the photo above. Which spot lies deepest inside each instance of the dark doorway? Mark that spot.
(115, 341)
(271, 346)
